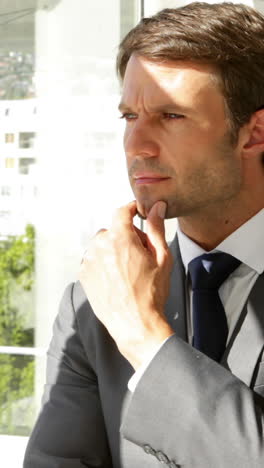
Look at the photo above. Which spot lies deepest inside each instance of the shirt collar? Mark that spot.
(246, 244)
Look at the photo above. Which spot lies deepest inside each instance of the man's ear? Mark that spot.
(255, 140)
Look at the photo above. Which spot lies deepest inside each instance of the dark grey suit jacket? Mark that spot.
(186, 411)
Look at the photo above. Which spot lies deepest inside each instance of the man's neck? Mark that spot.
(209, 229)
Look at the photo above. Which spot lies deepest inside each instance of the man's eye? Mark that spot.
(172, 116)
(128, 116)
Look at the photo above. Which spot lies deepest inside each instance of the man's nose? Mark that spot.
(140, 140)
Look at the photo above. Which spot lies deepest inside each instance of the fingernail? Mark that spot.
(161, 210)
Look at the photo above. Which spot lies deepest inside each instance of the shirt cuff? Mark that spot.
(133, 381)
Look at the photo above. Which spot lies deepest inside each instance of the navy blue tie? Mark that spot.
(208, 272)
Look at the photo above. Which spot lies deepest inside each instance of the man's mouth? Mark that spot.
(149, 178)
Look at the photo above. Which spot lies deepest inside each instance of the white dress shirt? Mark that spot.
(245, 244)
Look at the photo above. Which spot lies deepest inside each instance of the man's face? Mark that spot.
(177, 138)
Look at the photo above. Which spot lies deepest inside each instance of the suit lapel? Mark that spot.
(247, 341)
(175, 308)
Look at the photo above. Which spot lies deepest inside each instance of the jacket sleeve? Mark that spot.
(189, 411)
(70, 430)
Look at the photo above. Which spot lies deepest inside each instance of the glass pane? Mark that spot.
(17, 49)
(62, 173)
(16, 286)
(152, 6)
(17, 227)
(16, 394)
(80, 161)
(26, 139)
(9, 137)
(17, 186)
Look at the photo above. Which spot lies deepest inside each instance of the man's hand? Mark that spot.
(125, 274)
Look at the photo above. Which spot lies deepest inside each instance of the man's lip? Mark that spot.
(149, 175)
(149, 178)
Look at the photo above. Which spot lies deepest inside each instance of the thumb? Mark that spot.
(155, 229)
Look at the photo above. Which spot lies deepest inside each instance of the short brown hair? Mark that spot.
(228, 36)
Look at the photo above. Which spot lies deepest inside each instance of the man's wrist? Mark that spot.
(132, 383)
(151, 343)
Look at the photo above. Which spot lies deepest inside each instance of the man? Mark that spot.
(194, 141)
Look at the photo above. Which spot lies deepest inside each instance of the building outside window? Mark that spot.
(9, 137)
(26, 139)
(25, 164)
(10, 163)
(5, 191)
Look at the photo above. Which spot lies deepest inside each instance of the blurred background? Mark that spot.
(62, 173)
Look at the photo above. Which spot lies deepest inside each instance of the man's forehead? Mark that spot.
(166, 82)
(138, 64)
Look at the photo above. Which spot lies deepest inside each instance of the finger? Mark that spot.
(89, 252)
(155, 228)
(123, 217)
(101, 231)
(142, 236)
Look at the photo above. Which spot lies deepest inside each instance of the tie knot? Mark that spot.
(209, 271)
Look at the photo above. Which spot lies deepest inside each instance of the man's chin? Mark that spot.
(143, 209)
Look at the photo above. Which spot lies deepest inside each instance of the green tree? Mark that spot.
(16, 371)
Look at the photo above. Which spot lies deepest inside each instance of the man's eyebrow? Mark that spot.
(166, 107)
(169, 107)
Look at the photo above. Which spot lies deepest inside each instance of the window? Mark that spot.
(58, 98)
(18, 356)
(26, 140)
(25, 165)
(10, 163)
(9, 137)
(5, 191)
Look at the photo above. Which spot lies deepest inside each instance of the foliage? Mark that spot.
(16, 267)
(16, 371)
